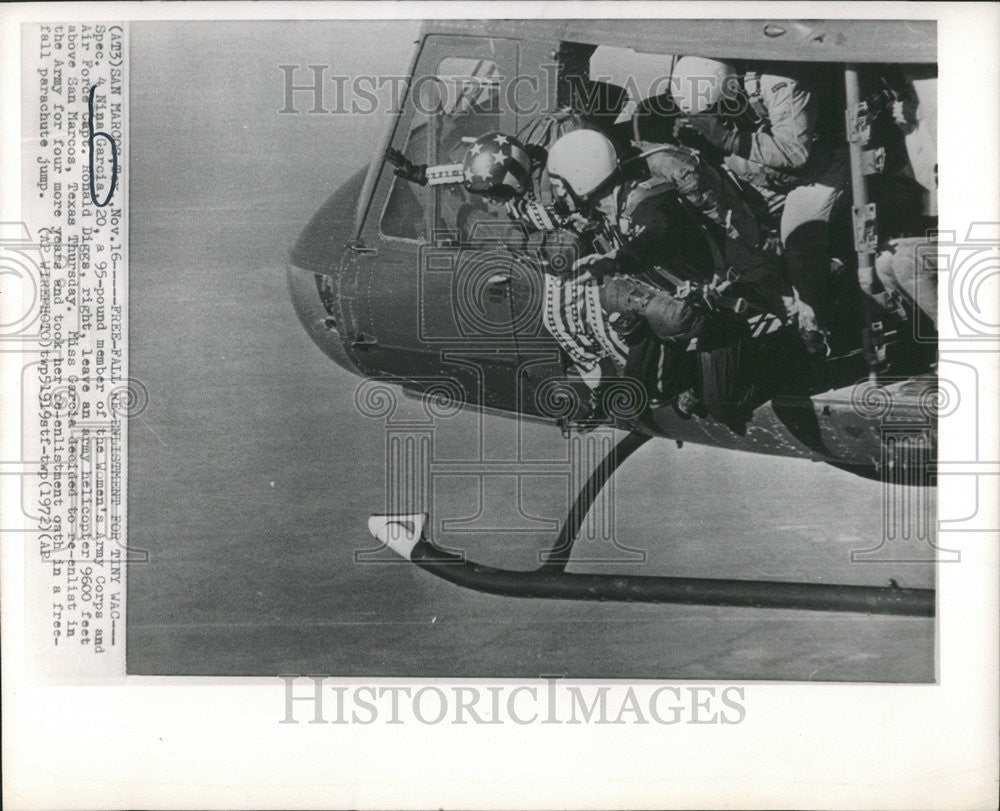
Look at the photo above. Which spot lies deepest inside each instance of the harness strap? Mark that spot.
(629, 198)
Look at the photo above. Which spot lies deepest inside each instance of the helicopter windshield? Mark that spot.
(457, 103)
(467, 85)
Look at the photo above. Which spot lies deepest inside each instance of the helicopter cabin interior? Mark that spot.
(473, 77)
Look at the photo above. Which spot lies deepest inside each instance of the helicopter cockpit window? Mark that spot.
(645, 78)
(453, 106)
(641, 74)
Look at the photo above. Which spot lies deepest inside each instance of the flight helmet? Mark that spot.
(698, 84)
(580, 162)
(497, 166)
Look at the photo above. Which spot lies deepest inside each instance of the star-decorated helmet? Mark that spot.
(497, 166)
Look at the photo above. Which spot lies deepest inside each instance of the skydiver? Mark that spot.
(580, 104)
(765, 126)
(743, 237)
(656, 233)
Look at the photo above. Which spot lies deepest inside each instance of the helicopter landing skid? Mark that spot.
(405, 535)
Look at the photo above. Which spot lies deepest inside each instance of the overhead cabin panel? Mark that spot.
(900, 41)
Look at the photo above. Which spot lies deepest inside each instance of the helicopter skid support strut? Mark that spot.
(405, 535)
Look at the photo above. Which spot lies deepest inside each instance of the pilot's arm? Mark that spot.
(649, 244)
(645, 249)
(421, 173)
(785, 142)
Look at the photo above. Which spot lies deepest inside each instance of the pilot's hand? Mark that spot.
(395, 157)
(405, 169)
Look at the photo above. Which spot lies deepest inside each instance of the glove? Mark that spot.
(706, 133)
(405, 169)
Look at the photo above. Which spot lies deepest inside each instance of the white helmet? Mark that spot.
(698, 83)
(582, 160)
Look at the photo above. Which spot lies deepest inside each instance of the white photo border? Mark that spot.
(218, 743)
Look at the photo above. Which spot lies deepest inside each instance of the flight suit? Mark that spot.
(686, 173)
(801, 177)
(743, 234)
(654, 229)
(908, 267)
(710, 354)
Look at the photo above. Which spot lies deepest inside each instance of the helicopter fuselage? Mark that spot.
(387, 294)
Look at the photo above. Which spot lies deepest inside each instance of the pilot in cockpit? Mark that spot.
(504, 174)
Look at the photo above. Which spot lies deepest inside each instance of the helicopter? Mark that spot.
(386, 287)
